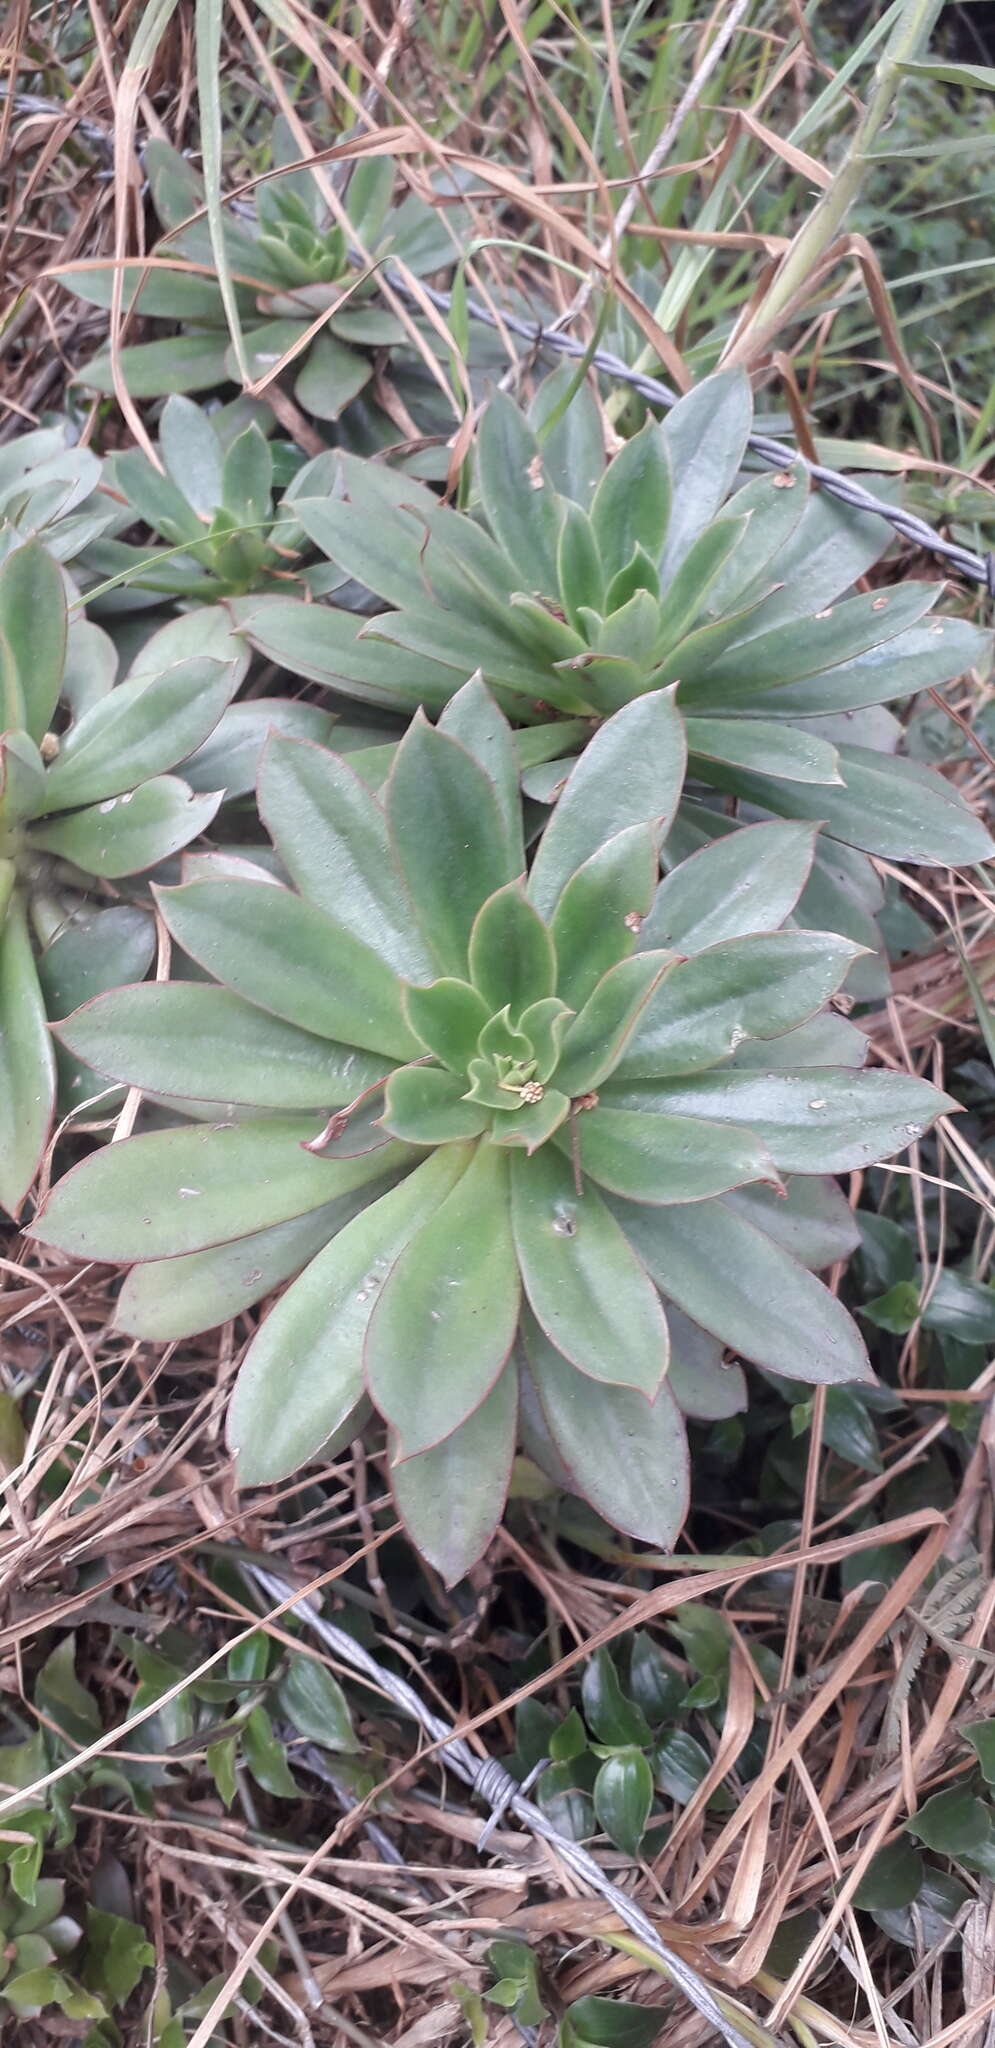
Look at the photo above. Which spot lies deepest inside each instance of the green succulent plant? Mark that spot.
(288, 266)
(576, 586)
(564, 1092)
(86, 799)
(213, 504)
(34, 1937)
(50, 490)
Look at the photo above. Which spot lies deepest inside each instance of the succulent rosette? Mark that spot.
(88, 799)
(582, 1123)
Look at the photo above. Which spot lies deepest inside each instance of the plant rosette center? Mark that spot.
(583, 1123)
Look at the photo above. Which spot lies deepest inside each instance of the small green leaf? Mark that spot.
(892, 1879)
(181, 1190)
(27, 1064)
(602, 909)
(594, 1041)
(282, 953)
(610, 2023)
(614, 1718)
(473, 718)
(129, 833)
(623, 1796)
(33, 618)
(151, 369)
(896, 1310)
(520, 503)
(445, 1319)
(451, 1497)
(140, 729)
(680, 1762)
(625, 1455)
(332, 838)
(981, 1736)
(448, 836)
(221, 1760)
(652, 1157)
(655, 1689)
(314, 1701)
(630, 774)
(303, 1372)
(427, 1106)
(143, 1035)
(954, 1823)
(512, 961)
(736, 1282)
(266, 1757)
(448, 1017)
(60, 1696)
(116, 1955)
(758, 986)
(631, 505)
(587, 1288)
(569, 1740)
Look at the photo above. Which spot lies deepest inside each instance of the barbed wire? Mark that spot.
(777, 454)
(494, 1786)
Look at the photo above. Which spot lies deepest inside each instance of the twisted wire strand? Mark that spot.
(497, 1789)
(777, 454)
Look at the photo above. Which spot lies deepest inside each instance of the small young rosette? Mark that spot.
(584, 1123)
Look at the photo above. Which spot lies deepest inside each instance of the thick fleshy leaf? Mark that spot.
(473, 718)
(923, 657)
(22, 777)
(586, 1286)
(448, 1017)
(448, 836)
(580, 576)
(427, 1106)
(760, 743)
(594, 1040)
(630, 774)
(512, 961)
(27, 1062)
(175, 1191)
(33, 619)
(623, 1796)
(775, 502)
(520, 504)
(332, 838)
(304, 1370)
(98, 950)
(331, 376)
(126, 834)
(445, 1319)
(705, 434)
(192, 452)
(169, 1298)
(897, 808)
(140, 729)
(748, 881)
(151, 369)
(631, 505)
(818, 1120)
(810, 1218)
(231, 755)
(568, 423)
(829, 548)
(144, 1036)
(836, 634)
(704, 1387)
(738, 1283)
(624, 1454)
(312, 640)
(452, 1497)
(658, 1158)
(601, 910)
(532, 1123)
(754, 987)
(283, 954)
(827, 1040)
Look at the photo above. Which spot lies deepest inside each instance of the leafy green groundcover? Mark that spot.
(567, 1092)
